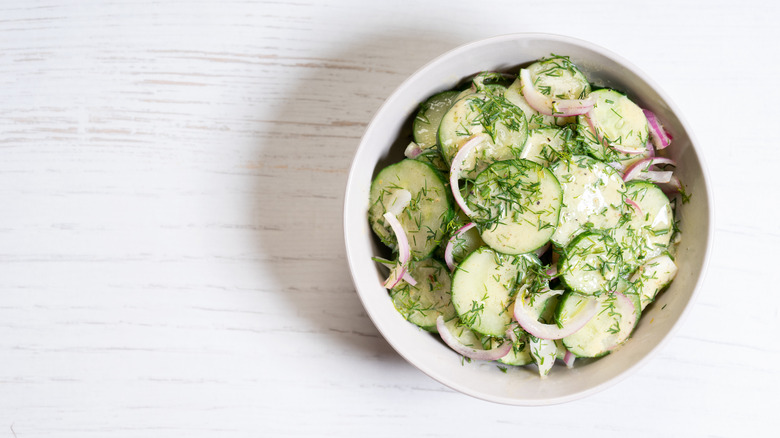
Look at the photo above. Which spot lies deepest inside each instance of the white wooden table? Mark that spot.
(171, 253)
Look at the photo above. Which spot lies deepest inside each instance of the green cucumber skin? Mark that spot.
(574, 342)
(384, 234)
(542, 236)
(638, 244)
(469, 289)
(434, 295)
(599, 150)
(450, 138)
(564, 261)
(423, 122)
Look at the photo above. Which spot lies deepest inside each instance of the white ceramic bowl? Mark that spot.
(383, 144)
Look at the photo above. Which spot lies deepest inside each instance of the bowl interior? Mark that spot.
(380, 146)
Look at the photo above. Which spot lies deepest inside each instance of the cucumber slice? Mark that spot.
(619, 122)
(422, 303)
(424, 218)
(653, 277)
(426, 122)
(433, 157)
(482, 113)
(593, 194)
(592, 264)
(544, 145)
(521, 350)
(493, 89)
(483, 290)
(648, 231)
(611, 326)
(517, 203)
(557, 76)
(629, 289)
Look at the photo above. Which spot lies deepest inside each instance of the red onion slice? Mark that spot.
(457, 164)
(620, 148)
(470, 352)
(617, 166)
(657, 133)
(673, 186)
(451, 244)
(568, 359)
(643, 166)
(404, 251)
(413, 150)
(530, 323)
(658, 177)
(407, 277)
(547, 105)
(397, 273)
(629, 323)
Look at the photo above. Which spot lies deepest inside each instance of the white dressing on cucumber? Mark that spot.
(592, 197)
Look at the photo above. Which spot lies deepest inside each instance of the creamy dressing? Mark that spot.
(541, 143)
(592, 194)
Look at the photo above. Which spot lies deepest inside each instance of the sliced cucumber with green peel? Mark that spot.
(433, 157)
(558, 77)
(425, 217)
(482, 113)
(483, 290)
(517, 204)
(653, 277)
(521, 350)
(649, 227)
(592, 264)
(422, 303)
(630, 290)
(593, 197)
(613, 324)
(621, 129)
(426, 123)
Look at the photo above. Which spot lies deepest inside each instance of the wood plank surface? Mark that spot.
(171, 250)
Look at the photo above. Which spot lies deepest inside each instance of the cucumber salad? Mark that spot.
(533, 219)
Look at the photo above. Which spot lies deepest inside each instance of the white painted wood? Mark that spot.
(171, 256)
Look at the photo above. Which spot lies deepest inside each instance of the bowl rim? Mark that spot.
(694, 143)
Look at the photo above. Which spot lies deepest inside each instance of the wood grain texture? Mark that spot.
(171, 183)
